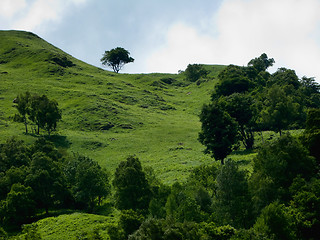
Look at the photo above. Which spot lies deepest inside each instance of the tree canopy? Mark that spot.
(218, 131)
(116, 58)
(131, 186)
(39, 109)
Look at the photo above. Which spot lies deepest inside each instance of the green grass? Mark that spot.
(107, 116)
(73, 226)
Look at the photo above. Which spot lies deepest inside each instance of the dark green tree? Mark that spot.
(205, 176)
(232, 201)
(46, 180)
(311, 135)
(19, 205)
(233, 79)
(89, 183)
(195, 71)
(39, 109)
(310, 91)
(240, 108)
(218, 131)
(132, 190)
(14, 153)
(275, 167)
(278, 109)
(130, 221)
(261, 63)
(12, 176)
(44, 113)
(285, 76)
(116, 58)
(181, 205)
(23, 105)
(275, 222)
(305, 207)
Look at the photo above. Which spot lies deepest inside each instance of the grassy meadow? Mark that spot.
(107, 116)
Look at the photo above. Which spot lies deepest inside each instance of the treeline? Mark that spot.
(279, 199)
(248, 99)
(40, 177)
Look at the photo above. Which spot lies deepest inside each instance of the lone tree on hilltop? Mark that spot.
(116, 58)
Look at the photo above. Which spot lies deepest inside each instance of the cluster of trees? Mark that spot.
(279, 199)
(40, 110)
(38, 177)
(250, 99)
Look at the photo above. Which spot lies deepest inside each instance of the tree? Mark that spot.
(13, 153)
(261, 63)
(116, 58)
(279, 109)
(239, 107)
(195, 71)
(181, 205)
(39, 109)
(130, 221)
(275, 223)
(311, 135)
(46, 180)
(285, 76)
(232, 201)
(231, 80)
(310, 91)
(132, 190)
(23, 105)
(306, 207)
(19, 204)
(218, 131)
(89, 183)
(275, 167)
(44, 113)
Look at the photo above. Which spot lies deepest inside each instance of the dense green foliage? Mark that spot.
(43, 178)
(218, 131)
(194, 72)
(273, 196)
(44, 113)
(131, 186)
(255, 100)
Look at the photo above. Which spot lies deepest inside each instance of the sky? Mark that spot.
(167, 35)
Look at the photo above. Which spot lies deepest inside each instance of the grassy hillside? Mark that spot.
(107, 116)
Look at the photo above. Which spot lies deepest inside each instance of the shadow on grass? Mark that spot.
(243, 152)
(59, 141)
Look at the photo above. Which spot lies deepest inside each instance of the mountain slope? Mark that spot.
(107, 116)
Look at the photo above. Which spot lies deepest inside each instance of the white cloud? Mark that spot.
(35, 15)
(10, 7)
(286, 30)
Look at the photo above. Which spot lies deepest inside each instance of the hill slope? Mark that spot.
(107, 116)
